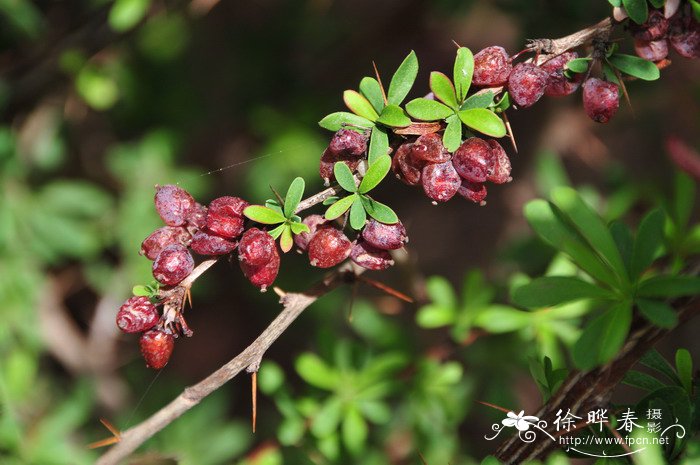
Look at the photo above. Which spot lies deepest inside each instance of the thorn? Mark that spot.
(502, 409)
(624, 89)
(456, 44)
(422, 459)
(511, 136)
(116, 436)
(279, 197)
(384, 288)
(254, 388)
(379, 80)
(279, 291)
(189, 296)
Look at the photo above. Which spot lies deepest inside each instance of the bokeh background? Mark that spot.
(100, 101)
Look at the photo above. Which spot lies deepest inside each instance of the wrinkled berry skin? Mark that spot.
(406, 168)
(136, 315)
(500, 164)
(371, 258)
(351, 142)
(330, 158)
(655, 50)
(473, 191)
(225, 216)
(654, 28)
(156, 348)
(472, 160)
(328, 247)
(429, 148)
(262, 276)
(558, 84)
(173, 204)
(197, 218)
(685, 37)
(385, 236)
(204, 243)
(256, 247)
(491, 67)
(314, 222)
(600, 99)
(173, 264)
(526, 84)
(440, 181)
(163, 237)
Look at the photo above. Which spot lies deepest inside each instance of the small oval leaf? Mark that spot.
(403, 79)
(443, 89)
(484, 121)
(340, 207)
(263, 215)
(293, 197)
(376, 172)
(359, 105)
(340, 119)
(344, 176)
(428, 110)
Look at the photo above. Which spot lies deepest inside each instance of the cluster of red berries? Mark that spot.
(347, 146)
(678, 29)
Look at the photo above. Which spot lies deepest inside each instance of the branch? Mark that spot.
(550, 47)
(587, 391)
(293, 305)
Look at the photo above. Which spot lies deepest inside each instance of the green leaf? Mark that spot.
(263, 215)
(654, 360)
(359, 105)
(635, 66)
(603, 337)
(270, 377)
(330, 200)
(637, 10)
(649, 240)
(378, 144)
(695, 6)
(340, 207)
(354, 431)
(326, 420)
(659, 313)
(480, 100)
(379, 211)
(358, 216)
(340, 119)
(316, 372)
(669, 286)
(452, 138)
(642, 381)
(554, 290)
(684, 367)
(428, 110)
(484, 121)
(298, 228)
(277, 232)
(442, 88)
(590, 226)
(440, 291)
(622, 235)
(502, 319)
(579, 65)
(293, 197)
(140, 291)
(344, 176)
(372, 91)
(126, 14)
(435, 316)
(286, 238)
(503, 104)
(463, 72)
(394, 116)
(377, 171)
(403, 79)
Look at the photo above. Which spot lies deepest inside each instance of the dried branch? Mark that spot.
(549, 47)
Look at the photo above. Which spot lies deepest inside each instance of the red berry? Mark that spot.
(473, 191)
(500, 169)
(559, 85)
(197, 218)
(204, 243)
(264, 275)
(314, 222)
(685, 37)
(491, 67)
(654, 28)
(136, 315)
(256, 247)
(600, 99)
(473, 160)
(163, 237)
(156, 348)
(225, 216)
(385, 236)
(328, 247)
(173, 204)
(173, 264)
(440, 181)
(330, 158)
(370, 257)
(655, 50)
(429, 148)
(526, 84)
(406, 168)
(351, 142)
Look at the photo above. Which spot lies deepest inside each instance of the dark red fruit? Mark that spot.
(351, 142)
(204, 243)
(163, 237)
(600, 99)
(440, 181)
(655, 50)
(330, 158)
(685, 37)
(404, 166)
(385, 236)
(526, 84)
(156, 348)
(491, 67)
(314, 222)
(256, 247)
(173, 204)
(197, 218)
(328, 247)
(136, 315)
(473, 191)
(473, 160)
(173, 264)
(559, 85)
(370, 257)
(429, 148)
(500, 167)
(264, 275)
(654, 28)
(225, 216)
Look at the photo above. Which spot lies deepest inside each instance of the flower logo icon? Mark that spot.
(520, 421)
